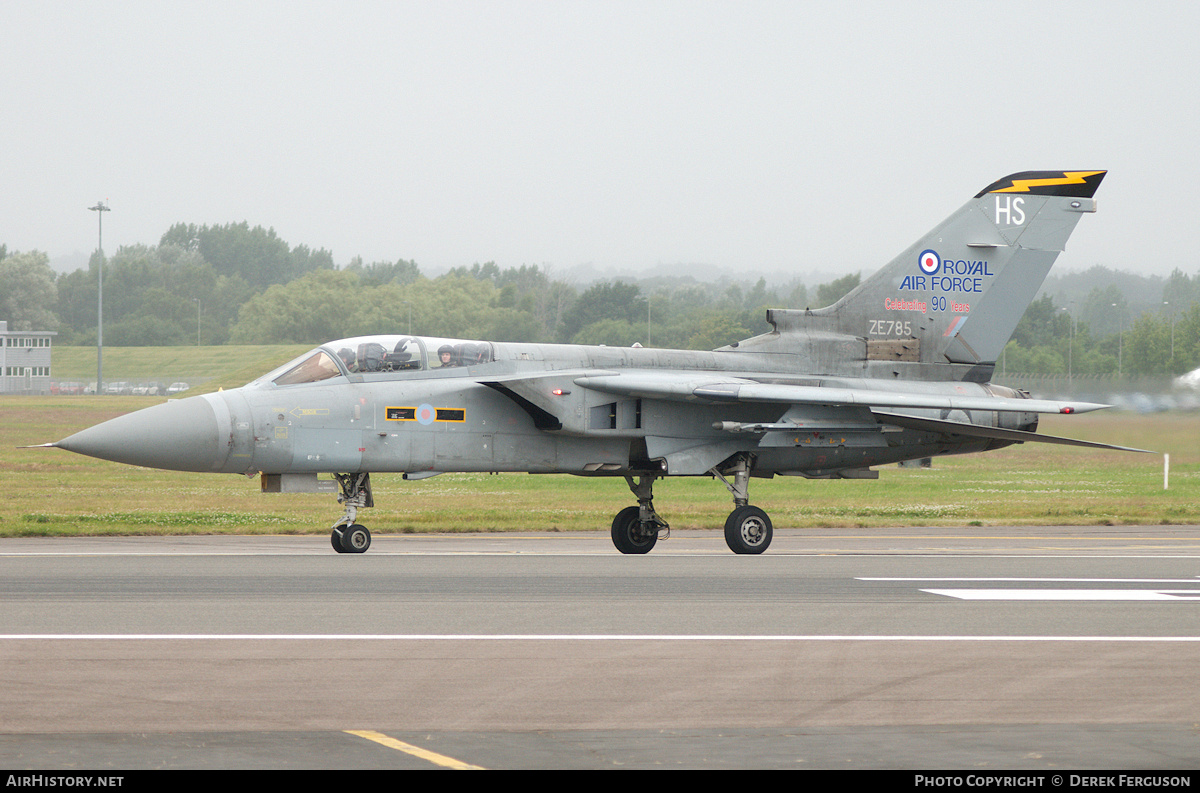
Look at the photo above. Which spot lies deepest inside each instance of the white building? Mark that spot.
(24, 360)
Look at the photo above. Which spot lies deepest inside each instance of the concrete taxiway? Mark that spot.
(1025, 647)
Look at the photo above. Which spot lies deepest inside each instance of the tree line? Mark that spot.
(234, 284)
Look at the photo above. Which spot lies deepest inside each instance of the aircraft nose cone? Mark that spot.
(180, 435)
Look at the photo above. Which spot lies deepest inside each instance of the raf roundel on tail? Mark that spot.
(896, 370)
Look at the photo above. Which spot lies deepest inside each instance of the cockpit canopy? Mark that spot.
(368, 355)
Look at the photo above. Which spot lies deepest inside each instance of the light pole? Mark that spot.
(405, 302)
(1120, 339)
(100, 209)
(1071, 348)
(197, 320)
(1168, 303)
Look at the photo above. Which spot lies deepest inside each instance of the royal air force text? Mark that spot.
(954, 276)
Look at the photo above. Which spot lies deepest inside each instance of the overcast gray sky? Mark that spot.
(775, 136)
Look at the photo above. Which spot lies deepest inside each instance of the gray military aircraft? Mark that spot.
(896, 370)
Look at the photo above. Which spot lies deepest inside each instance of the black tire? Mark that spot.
(629, 535)
(356, 539)
(335, 538)
(748, 530)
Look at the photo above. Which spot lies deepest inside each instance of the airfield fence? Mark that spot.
(1144, 394)
(119, 386)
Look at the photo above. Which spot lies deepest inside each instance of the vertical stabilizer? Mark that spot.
(957, 294)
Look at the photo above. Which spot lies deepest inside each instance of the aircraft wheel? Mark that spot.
(748, 530)
(335, 539)
(628, 533)
(356, 539)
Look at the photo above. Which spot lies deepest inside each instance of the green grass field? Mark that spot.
(54, 492)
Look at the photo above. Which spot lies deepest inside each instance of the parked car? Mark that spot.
(176, 388)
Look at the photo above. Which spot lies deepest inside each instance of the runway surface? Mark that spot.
(1028, 648)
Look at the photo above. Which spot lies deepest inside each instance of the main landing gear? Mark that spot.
(348, 536)
(635, 529)
(748, 529)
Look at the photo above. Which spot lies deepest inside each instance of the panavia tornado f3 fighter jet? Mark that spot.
(896, 370)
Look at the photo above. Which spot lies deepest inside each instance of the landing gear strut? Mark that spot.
(348, 536)
(747, 529)
(635, 529)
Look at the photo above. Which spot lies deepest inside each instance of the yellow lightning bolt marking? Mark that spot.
(1068, 177)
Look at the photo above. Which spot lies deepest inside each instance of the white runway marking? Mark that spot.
(1068, 594)
(1059, 594)
(1193, 580)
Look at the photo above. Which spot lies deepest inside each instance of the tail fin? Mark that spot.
(957, 294)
